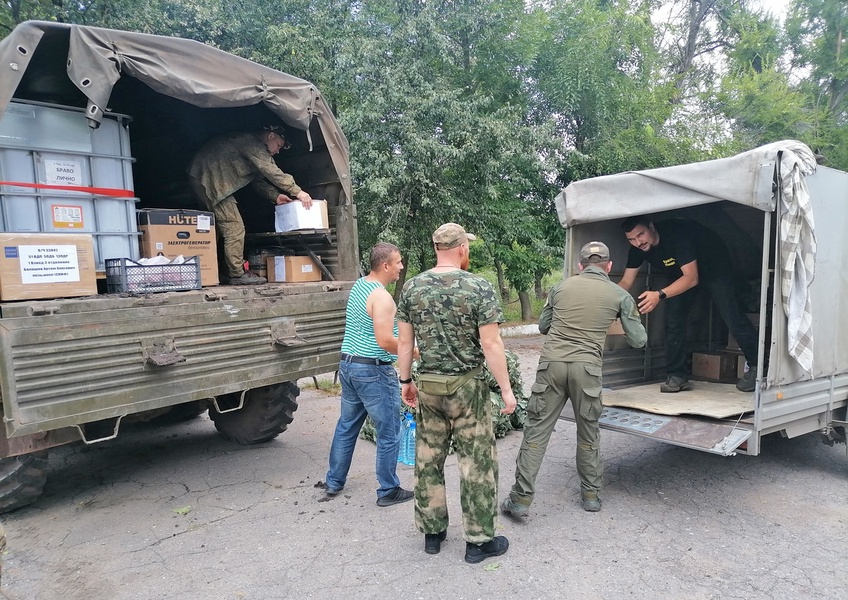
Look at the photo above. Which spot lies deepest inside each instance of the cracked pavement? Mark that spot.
(175, 512)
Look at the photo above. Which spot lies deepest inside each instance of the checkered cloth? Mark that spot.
(797, 248)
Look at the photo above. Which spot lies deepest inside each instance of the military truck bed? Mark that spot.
(79, 360)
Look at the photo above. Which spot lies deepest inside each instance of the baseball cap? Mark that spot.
(596, 249)
(451, 235)
(280, 131)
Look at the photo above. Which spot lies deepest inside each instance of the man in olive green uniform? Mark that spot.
(575, 318)
(455, 317)
(226, 165)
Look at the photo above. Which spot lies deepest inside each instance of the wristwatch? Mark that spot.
(663, 295)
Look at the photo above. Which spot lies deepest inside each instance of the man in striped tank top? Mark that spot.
(369, 381)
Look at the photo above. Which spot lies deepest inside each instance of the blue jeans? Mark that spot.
(374, 391)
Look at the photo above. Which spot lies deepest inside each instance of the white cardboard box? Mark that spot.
(293, 216)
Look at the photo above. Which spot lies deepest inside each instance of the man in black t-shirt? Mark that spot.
(691, 255)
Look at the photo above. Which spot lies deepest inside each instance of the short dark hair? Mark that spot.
(631, 223)
(380, 253)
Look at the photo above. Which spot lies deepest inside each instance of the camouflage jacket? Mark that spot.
(578, 313)
(230, 162)
(446, 311)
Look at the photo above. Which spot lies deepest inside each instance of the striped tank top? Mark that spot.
(359, 339)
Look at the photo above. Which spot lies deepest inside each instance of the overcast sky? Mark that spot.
(776, 7)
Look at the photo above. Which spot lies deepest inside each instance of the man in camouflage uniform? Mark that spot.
(575, 318)
(229, 163)
(455, 318)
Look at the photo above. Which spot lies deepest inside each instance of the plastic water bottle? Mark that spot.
(409, 454)
(407, 431)
(404, 433)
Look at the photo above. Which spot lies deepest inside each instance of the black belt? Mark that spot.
(365, 360)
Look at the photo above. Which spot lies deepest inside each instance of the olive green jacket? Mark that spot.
(578, 313)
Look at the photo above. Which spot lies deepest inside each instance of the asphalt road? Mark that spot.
(175, 512)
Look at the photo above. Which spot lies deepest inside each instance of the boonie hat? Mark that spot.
(451, 235)
(594, 249)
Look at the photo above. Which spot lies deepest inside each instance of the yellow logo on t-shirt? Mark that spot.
(669, 262)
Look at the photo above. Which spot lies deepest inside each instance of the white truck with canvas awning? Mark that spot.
(783, 218)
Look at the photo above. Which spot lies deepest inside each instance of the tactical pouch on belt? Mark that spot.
(445, 385)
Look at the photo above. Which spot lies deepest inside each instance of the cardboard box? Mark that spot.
(714, 366)
(741, 366)
(40, 266)
(293, 216)
(181, 232)
(292, 269)
(615, 328)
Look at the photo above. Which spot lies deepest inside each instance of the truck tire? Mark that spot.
(267, 413)
(22, 479)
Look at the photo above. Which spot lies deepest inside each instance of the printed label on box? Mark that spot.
(67, 217)
(305, 268)
(63, 172)
(204, 222)
(11, 251)
(49, 264)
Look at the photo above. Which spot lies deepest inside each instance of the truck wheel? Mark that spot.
(22, 479)
(267, 413)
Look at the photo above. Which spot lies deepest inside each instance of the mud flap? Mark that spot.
(714, 437)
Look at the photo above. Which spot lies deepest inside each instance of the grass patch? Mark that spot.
(330, 387)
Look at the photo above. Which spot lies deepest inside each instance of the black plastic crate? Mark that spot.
(126, 275)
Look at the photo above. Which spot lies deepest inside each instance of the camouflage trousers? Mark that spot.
(466, 417)
(229, 225)
(556, 383)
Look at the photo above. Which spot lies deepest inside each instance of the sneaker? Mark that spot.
(475, 553)
(396, 496)
(433, 542)
(247, 279)
(514, 509)
(591, 504)
(748, 383)
(675, 384)
(328, 491)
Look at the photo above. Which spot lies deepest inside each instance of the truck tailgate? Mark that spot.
(67, 362)
(705, 418)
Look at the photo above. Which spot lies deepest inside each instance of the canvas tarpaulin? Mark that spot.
(183, 69)
(749, 179)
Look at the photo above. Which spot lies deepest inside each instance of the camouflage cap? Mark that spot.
(596, 250)
(280, 131)
(451, 235)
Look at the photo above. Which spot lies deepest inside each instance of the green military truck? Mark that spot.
(127, 111)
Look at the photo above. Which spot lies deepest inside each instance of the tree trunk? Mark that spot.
(502, 287)
(526, 306)
(537, 286)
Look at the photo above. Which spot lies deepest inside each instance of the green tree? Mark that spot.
(818, 37)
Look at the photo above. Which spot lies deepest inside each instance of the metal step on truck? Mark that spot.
(783, 219)
(96, 127)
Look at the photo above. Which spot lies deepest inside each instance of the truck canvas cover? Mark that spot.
(182, 69)
(801, 211)
(751, 179)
